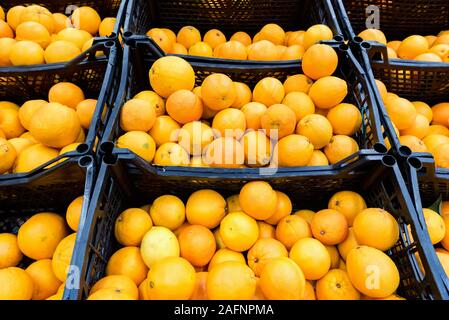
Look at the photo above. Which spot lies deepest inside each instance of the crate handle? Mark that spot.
(376, 49)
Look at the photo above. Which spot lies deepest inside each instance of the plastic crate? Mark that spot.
(376, 177)
(98, 77)
(229, 16)
(415, 80)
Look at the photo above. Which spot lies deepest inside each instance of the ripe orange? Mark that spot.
(73, 213)
(33, 31)
(230, 122)
(291, 229)
(76, 36)
(223, 255)
(296, 37)
(239, 231)
(66, 93)
(13, 16)
(269, 91)
(231, 50)
(273, 33)
(85, 110)
(305, 214)
(419, 129)
(158, 243)
(412, 46)
(61, 51)
(8, 155)
(137, 115)
(415, 144)
(87, 19)
(317, 33)
(382, 90)
(349, 203)
(195, 136)
(266, 231)
(350, 243)
(345, 119)
(10, 254)
(188, 36)
(243, 95)
(258, 200)
(334, 255)
(5, 49)
(293, 151)
(282, 279)
(329, 226)
(300, 103)
(45, 282)
(20, 144)
(225, 152)
(309, 292)
(263, 251)
(230, 280)
(16, 284)
(241, 37)
(312, 257)
(297, 83)
(107, 25)
(62, 257)
(131, 225)
(435, 225)
(283, 209)
(141, 143)
(10, 123)
(218, 91)
(168, 211)
(429, 56)
(26, 53)
(438, 129)
(432, 142)
(441, 114)
(110, 294)
(214, 38)
(178, 48)
(34, 156)
(200, 292)
(316, 128)
(253, 112)
(257, 148)
(278, 121)
(202, 49)
(164, 130)
(442, 50)
(197, 244)
(340, 147)
(335, 285)
(118, 283)
(128, 262)
(154, 99)
(441, 156)
(295, 52)
(205, 207)
(184, 106)
(319, 61)
(161, 38)
(6, 31)
(327, 92)
(262, 50)
(373, 35)
(233, 203)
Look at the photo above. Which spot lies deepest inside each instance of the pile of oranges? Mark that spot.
(270, 43)
(251, 246)
(48, 239)
(33, 35)
(420, 127)
(40, 130)
(428, 48)
(222, 123)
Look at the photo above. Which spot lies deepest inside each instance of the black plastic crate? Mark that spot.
(376, 177)
(415, 80)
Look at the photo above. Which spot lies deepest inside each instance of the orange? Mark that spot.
(218, 91)
(266, 231)
(138, 142)
(373, 35)
(317, 33)
(430, 57)
(391, 53)
(296, 37)
(349, 203)
(257, 148)
(128, 262)
(253, 112)
(241, 37)
(154, 99)
(10, 123)
(262, 51)
(38, 14)
(335, 285)
(224, 152)
(438, 129)
(106, 27)
(340, 147)
(8, 155)
(441, 156)
(297, 83)
(10, 254)
(316, 128)
(200, 292)
(305, 214)
(435, 225)
(13, 16)
(269, 91)
(178, 48)
(382, 90)
(223, 255)
(239, 231)
(329, 226)
(61, 51)
(73, 213)
(230, 280)
(327, 92)
(26, 53)
(258, 200)
(283, 209)
(350, 243)
(62, 257)
(230, 122)
(45, 282)
(87, 19)
(164, 130)
(243, 95)
(300, 103)
(231, 50)
(170, 74)
(118, 283)
(161, 38)
(16, 284)
(415, 144)
(195, 136)
(85, 110)
(66, 93)
(171, 154)
(34, 156)
(263, 251)
(110, 294)
(334, 255)
(5, 30)
(309, 292)
(205, 207)
(20, 144)
(423, 109)
(278, 121)
(61, 21)
(137, 115)
(445, 208)
(76, 36)
(188, 36)
(441, 114)
(345, 119)
(434, 141)
(197, 244)
(312, 257)
(282, 279)
(442, 50)
(55, 125)
(184, 106)
(131, 225)
(372, 272)
(39, 236)
(430, 40)
(293, 151)
(443, 38)
(33, 31)
(171, 35)
(319, 61)
(273, 33)
(258, 295)
(419, 129)
(291, 229)
(214, 38)
(168, 211)
(5, 49)
(202, 49)
(157, 244)
(172, 278)
(412, 46)
(233, 203)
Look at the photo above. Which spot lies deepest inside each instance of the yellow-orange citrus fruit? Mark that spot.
(137, 115)
(61, 51)
(291, 229)
(223, 255)
(218, 91)
(297, 83)
(119, 283)
(188, 36)
(127, 261)
(312, 257)
(87, 19)
(26, 53)
(415, 144)
(316, 128)
(197, 244)
(435, 225)
(131, 226)
(340, 147)
(258, 200)
(336, 285)
(73, 213)
(157, 244)
(419, 129)
(350, 243)
(164, 130)
(205, 207)
(257, 148)
(373, 35)
(230, 122)
(278, 121)
(300, 103)
(16, 284)
(283, 209)
(33, 31)
(34, 156)
(328, 92)
(214, 38)
(239, 231)
(10, 254)
(241, 37)
(441, 114)
(269, 91)
(329, 226)
(319, 61)
(141, 143)
(62, 257)
(45, 282)
(412, 46)
(317, 33)
(263, 251)
(349, 203)
(345, 119)
(66, 93)
(293, 151)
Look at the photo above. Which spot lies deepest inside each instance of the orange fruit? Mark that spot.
(76, 36)
(340, 147)
(106, 27)
(429, 57)
(87, 19)
(66, 93)
(415, 144)
(218, 91)
(435, 225)
(34, 156)
(16, 284)
(110, 294)
(257, 148)
(141, 143)
(38, 14)
(45, 282)
(305, 214)
(278, 121)
(6, 31)
(316, 128)
(205, 207)
(20, 144)
(184, 106)
(73, 213)
(442, 38)
(131, 226)
(350, 243)
(202, 49)
(283, 209)
(263, 251)
(10, 254)
(85, 110)
(25, 112)
(62, 257)
(291, 229)
(335, 285)
(317, 33)
(372, 272)
(224, 255)
(195, 136)
(432, 142)
(225, 153)
(412, 46)
(171, 35)
(334, 255)
(300, 103)
(243, 95)
(8, 155)
(214, 38)
(172, 278)
(197, 244)
(382, 90)
(258, 200)
(127, 262)
(233, 203)
(5, 49)
(345, 119)
(445, 208)
(319, 61)
(293, 151)
(137, 115)
(158, 243)
(231, 50)
(118, 283)
(178, 48)
(349, 203)
(161, 38)
(269, 91)
(26, 53)
(282, 279)
(329, 226)
(430, 40)
(327, 92)
(253, 112)
(168, 211)
(239, 231)
(442, 50)
(230, 122)
(61, 51)
(419, 129)
(241, 37)
(423, 109)
(13, 16)
(170, 74)
(266, 231)
(312, 257)
(296, 37)
(438, 129)
(200, 292)
(263, 50)
(39, 236)
(441, 156)
(171, 154)
(154, 99)
(33, 31)
(297, 83)
(373, 35)
(309, 292)
(441, 114)
(188, 36)
(164, 130)
(10, 123)
(273, 33)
